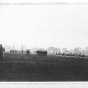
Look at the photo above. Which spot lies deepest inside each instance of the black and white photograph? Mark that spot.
(43, 41)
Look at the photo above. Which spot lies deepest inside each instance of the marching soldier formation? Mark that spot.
(40, 53)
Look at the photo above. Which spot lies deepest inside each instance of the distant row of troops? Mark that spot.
(44, 53)
(70, 54)
(38, 52)
(15, 51)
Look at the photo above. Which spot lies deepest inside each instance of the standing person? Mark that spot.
(27, 52)
(22, 51)
(3, 49)
(1, 53)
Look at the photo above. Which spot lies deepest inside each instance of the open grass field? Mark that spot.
(33, 68)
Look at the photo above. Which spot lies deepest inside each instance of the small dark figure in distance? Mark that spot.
(10, 51)
(83, 55)
(1, 53)
(22, 51)
(27, 52)
(15, 51)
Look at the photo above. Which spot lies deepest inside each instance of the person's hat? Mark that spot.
(0, 45)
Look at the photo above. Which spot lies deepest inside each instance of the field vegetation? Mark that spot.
(20, 67)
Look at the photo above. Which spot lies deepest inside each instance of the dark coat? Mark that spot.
(1, 52)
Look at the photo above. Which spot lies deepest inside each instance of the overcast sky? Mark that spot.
(44, 25)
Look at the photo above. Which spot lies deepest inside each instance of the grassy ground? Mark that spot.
(43, 68)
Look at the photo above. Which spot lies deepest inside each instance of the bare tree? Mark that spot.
(77, 50)
(64, 50)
